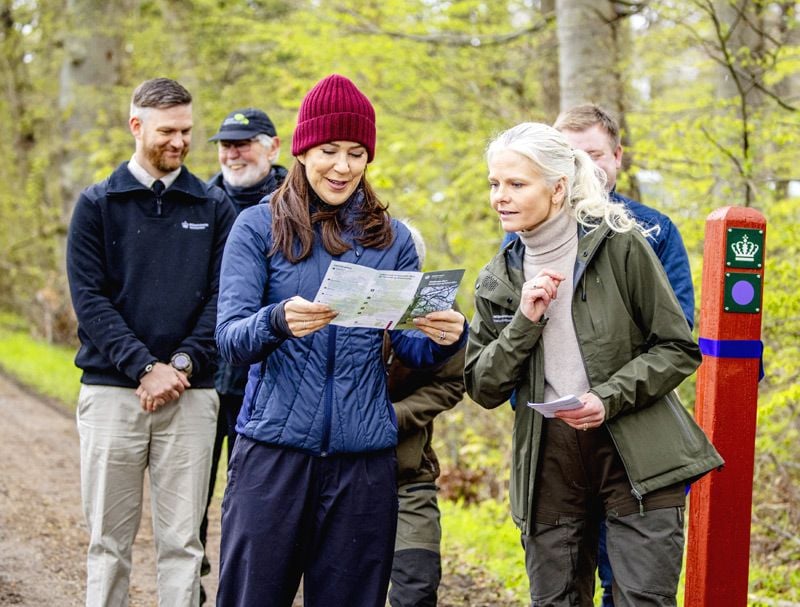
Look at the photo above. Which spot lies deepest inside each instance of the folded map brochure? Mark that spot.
(385, 299)
(564, 403)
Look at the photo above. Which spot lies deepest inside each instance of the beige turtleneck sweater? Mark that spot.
(554, 245)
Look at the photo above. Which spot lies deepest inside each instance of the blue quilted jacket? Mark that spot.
(324, 393)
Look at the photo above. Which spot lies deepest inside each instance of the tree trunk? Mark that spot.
(94, 51)
(594, 42)
(548, 43)
(782, 29)
(93, 58)
(15, 86)
(587, 53)
(741, 39)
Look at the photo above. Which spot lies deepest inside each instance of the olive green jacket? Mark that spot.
(418, 396)
(636, 347)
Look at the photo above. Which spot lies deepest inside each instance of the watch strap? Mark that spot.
(147, 368)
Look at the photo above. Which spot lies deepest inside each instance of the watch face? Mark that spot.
(181, 361)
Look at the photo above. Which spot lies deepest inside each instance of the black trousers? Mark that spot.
(287, 514)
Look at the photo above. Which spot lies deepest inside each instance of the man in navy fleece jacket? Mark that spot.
(143, 258)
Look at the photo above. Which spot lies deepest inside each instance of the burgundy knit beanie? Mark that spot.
(334, 110)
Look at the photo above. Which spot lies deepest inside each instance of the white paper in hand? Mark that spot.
(562, 404)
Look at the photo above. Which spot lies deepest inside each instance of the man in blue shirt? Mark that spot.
(591, 129)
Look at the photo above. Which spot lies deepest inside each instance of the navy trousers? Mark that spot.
(287, 514)
(604, 568)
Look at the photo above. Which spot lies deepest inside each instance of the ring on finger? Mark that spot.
(442, 336)
(585, 427)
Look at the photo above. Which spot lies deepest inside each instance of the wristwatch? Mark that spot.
(182, 362)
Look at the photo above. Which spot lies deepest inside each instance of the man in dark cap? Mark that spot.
(248, 146)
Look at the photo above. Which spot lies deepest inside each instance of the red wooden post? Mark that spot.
(720, 504)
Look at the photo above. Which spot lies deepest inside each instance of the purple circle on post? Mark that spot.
(743, 292)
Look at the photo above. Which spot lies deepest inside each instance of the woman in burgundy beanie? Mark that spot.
(312, 487)
(335, 109)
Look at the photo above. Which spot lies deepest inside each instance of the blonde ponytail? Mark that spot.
(587, 199)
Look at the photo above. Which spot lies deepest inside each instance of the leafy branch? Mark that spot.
(448, 38)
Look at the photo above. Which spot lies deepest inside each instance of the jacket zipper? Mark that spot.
(636, 494)
(634, 491)
(326, 419)
(533, 457)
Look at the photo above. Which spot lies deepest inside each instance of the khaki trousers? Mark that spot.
(119, 440)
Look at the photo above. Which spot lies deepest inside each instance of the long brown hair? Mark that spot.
(296, 209)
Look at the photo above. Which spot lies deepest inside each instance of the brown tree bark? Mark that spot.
(548, 42)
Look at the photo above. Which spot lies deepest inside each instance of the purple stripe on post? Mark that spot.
(734, 348)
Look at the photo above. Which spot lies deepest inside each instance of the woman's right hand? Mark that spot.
(538, 292)
(305, 317)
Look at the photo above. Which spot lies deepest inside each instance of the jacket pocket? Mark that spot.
(685, 421)
(661, 445)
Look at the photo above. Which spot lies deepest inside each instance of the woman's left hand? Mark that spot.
(591, 415)
(444, 327)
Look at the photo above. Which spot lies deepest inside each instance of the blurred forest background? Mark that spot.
(707, 92)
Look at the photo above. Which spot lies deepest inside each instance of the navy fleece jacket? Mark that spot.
(144, 275)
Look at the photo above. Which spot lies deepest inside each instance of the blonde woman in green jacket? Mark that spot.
(579, 305)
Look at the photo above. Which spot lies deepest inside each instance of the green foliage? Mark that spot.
(473, 445)
(45, 368)
(444, 77)
(484, 534)
(767, 582)
(777, 476)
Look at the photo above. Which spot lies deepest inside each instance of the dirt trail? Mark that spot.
(43, 537)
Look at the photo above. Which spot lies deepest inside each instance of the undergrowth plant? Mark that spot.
(45, 368)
